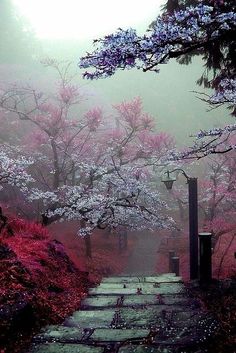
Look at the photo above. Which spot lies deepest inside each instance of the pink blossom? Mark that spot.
(130, 112)
(68, 93)
(94, 118)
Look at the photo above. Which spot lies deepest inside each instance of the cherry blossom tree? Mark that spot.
(90, 168)
(14, 172)
(54, 132)
(208, 29)
(14, 168)
(217, 204)
(217, 194)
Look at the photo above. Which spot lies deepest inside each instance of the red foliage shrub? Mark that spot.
(38, 281)
(223, 260)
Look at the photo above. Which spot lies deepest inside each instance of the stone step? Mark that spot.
(91, 319)
(83, 348)
(137, 317)
(131, 288)
(62, 334)
(169, 277)
(115, 318)
(146, 349)
(135, 285)
(65, 348)
(119, 335)
(114, 301)
(173, 329)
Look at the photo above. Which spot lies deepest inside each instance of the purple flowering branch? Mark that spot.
(170, 37)
(213, 141)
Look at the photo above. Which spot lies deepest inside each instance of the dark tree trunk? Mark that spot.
(88, 246)
(87, 240)
(56, 179)
(46, 221)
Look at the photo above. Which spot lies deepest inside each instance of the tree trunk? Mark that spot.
(56, 179)
(87, 240)
(126, 241)
(88, 246)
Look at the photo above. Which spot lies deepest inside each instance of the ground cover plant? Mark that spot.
(39, 282)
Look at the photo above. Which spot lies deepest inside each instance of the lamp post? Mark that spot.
(193, 218)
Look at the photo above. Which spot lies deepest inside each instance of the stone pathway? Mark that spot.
(115, 319)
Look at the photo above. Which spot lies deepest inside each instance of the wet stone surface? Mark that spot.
(91, 319)
(145, 349)
(119, 335)
(60, 333)
(107, 301)
(131, 288)
(170, 277)
(115, 318)
(66, 348)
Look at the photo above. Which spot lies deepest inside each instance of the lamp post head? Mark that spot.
(168, 181)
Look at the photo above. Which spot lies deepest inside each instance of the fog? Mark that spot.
(168, 96)
(96, 206)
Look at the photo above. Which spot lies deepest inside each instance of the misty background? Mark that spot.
(168, 96)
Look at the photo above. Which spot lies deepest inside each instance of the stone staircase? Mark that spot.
(116, 317)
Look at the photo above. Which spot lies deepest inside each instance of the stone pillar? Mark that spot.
(175, 265)
(171, 254)
(205, 258)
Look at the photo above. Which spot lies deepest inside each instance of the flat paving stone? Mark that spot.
(164, 288)
(134, 284)
(136, 300)
(144, 349)
(188, 318)
(65, 348)
(118, 335)
(99, 302)
(114, 318)
(188, 333)
(58, 333)
(147, 317)
(91, 319)
(169, 277)
(144, 299)
(106, 301)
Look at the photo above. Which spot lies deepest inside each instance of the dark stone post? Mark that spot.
(175, 265)
(171, 254)
(193, 227)
(205, 258)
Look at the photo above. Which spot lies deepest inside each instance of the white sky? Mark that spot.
(85, 19)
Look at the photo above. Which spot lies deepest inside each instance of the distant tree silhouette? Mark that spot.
(17, 40)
